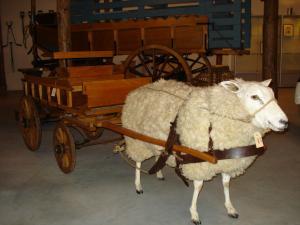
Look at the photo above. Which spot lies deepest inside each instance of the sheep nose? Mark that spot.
(285, 123)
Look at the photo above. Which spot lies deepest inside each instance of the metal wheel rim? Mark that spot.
(29, 123)
(64, 148)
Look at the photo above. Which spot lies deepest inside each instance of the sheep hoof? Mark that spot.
(234, 215)
(161, 178)
(139, 192)
(196, 222)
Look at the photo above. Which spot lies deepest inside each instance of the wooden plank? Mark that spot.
(111, 92)
(49, 94)
(58, 96)
(104, 110)
(48, 81)
(80, 41)
(159, 36)
(32, 90)
(40, 91)
(128, 40)
(78, 81)
(104, 40)
(135, 24)
(69, 99)
(89, 71)
(82, 54)
(184, 37)
(26, 87)
(227, 51)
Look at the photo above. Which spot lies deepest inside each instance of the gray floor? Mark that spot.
(101, 191)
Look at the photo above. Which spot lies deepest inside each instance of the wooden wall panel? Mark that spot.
(80, 41)
(103, 40)
(158, 35)
(128, 39)
(189, 38)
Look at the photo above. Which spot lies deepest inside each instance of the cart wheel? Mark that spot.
(29, 123)
(157, 61)
(64, 148)
(201, 69)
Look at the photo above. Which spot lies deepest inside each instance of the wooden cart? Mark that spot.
(154, 34)
(85, 99)
(168, 39)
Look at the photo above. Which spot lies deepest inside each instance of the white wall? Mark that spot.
(10, 11)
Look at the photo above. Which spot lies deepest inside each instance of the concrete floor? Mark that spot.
(101, 190)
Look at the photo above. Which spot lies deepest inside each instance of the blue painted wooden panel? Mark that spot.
(229, 20)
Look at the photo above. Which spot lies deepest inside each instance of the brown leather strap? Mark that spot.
(233, 153)
(173, 138)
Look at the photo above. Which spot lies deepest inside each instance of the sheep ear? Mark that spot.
(266, 82)
(231, 85)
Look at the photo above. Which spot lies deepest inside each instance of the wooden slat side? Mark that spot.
(74, 82)
(137, 24)
(89, 71)
(82, 54)
(111, 92)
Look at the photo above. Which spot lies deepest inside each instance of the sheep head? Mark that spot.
(258, 100)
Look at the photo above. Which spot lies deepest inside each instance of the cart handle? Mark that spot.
(178, 148)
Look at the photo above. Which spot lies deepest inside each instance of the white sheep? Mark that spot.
(234, 109)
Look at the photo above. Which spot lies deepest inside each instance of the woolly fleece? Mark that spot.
(150, 110)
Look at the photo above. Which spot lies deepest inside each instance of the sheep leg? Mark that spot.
(138, 185)
(230, 209)
(159, 173)
(193, 209)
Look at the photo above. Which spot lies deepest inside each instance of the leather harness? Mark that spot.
(233, 153)
(173, 138)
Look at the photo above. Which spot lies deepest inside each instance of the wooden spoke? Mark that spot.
(157, 62)
(29, 123)
(201, 69)
(64, 148)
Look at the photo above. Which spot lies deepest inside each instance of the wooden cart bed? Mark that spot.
(82, 88)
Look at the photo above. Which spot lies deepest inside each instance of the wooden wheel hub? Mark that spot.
(29, 123)
(59, 149)
(64, 148)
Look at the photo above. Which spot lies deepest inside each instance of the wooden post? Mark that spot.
(270, 42)
(64, 28)
(33, 31)
(219, 59)
(2, 71)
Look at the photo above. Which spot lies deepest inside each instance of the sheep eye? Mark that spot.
(255, 97)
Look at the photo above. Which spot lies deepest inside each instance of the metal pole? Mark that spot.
(64, 28)
(270, 42)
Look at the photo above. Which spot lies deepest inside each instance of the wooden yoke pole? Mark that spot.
(270, 43)
(64, 28)
(178, 148)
